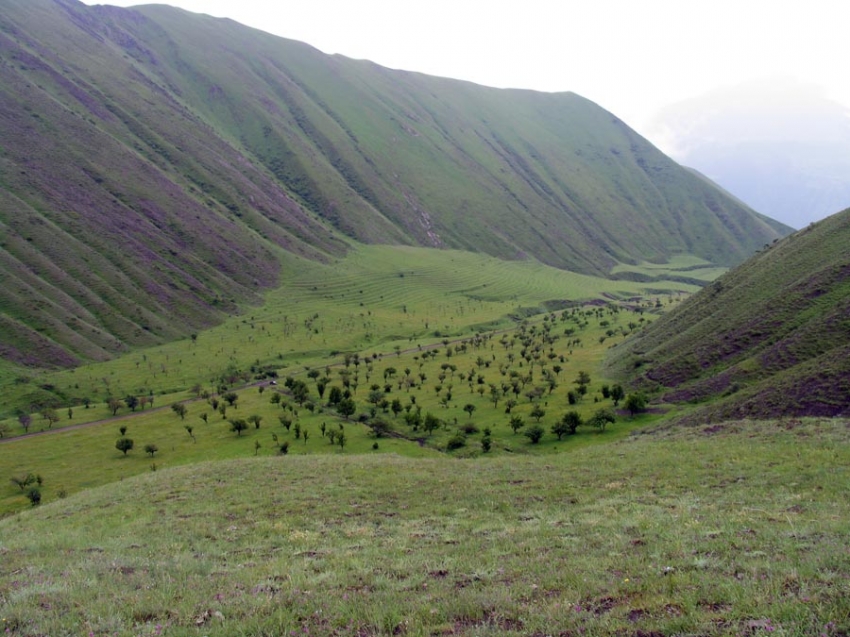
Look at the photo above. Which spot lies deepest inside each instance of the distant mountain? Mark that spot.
(778, 146)
(768, 339)
(155, 162)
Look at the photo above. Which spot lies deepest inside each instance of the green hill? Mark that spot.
(615, 539)
(770, 338)
(154, 164)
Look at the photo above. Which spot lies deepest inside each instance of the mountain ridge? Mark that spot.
(178, 153)
(770, 338)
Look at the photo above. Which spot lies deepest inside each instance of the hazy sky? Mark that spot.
(632, 57)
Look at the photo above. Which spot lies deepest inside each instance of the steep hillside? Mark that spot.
(154, 161)
(770, 338)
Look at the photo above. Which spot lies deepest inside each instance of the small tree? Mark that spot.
(34, 496)
(379, 427)
(469, 408)
(284, 448)
(636, 403)
(23, 481)
(204, 417)
(238, 425)
(124, 445)
(486, 444)
(396, 407)
(617, 394)
(50, 416)
(537, 413)
(534, 433)
(516, 423)
(151, 449)
(256, 420)
(231, 397)
(346, 407)
(179, 409)
(132, 402)
(114, 405)
(341, 439)
(189, 430)
(570, 421)
(431, 423)
(601, 419)
(25, 420)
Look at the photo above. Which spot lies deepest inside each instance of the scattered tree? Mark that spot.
(617, 394)
(534, 433)
(431, 423)
(469, 408)
(23, 481)
(601, 419)
(114, 405)
(132, 402)
(636, 403)
(256, 420)
(537, 413)
(179, 409)
(346, 408)
(124, 445)
(238, 425)
(151, 449)
(516, 423)
(34, 496)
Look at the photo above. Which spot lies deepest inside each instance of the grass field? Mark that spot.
(732, 530)
(378, 298)
(467, 383)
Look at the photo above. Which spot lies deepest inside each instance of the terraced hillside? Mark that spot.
(154, 164)
(770, 338)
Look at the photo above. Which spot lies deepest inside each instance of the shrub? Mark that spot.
(534, 433)
(124, 445)
(456, 442)
(34, 496)
(469, 428)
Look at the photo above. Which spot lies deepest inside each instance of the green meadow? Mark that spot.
(430, 508)
(733, 530)
(377, 299)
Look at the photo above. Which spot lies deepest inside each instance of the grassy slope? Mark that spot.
(771, 337)
(375, 298)
(688, 532)
(148, 178)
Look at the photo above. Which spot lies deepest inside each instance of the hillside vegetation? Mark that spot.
(156, 164)
(769, 338)
(684, 532)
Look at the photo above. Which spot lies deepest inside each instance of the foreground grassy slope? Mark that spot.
(688, 532)
(770, 338)
(149, 179)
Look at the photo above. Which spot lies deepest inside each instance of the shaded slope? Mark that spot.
(770, 338)
(153, 160)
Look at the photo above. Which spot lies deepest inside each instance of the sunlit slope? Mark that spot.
(374, 298)
(152, 161)
(613, 539)
(770, 338)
